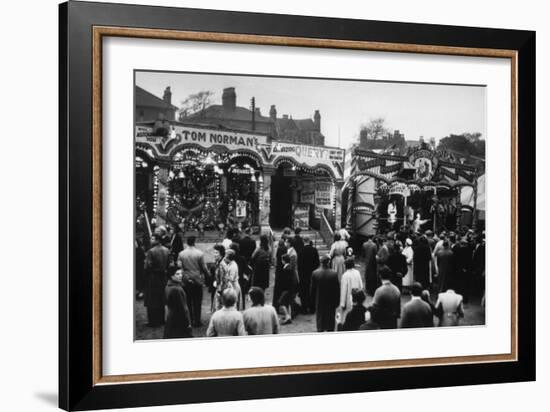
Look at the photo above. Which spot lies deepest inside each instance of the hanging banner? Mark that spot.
(300, 216)
(308, 192)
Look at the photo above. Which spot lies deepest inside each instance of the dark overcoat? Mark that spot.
(325, 290)
(417, 314)
(178, 320)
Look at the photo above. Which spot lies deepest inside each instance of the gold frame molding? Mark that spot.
(104, 31)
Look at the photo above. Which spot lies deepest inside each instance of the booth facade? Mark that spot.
(386, 191)
(208, 178)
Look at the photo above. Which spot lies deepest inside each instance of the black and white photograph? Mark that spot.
(284, 205)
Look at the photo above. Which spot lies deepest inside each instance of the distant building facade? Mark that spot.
(148, 107)
(284, 129)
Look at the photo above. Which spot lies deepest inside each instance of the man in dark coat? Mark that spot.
(247, 245)
(309, 263)
(178, 320)
(417, 313)
(298, 241)
(386, 304)
(445, 266)
(478, 264)
(462, 265)
(298, 244)
(369, 251)
(325, 292)
(156, 265)
(421, 262)
(140, 269)
(397, 263)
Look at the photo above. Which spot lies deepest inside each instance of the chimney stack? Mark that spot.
(317, 120)
(167, 96)
(229, 98)
(273, 113)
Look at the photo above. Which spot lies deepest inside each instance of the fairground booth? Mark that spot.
(203, 178)
(421, 189)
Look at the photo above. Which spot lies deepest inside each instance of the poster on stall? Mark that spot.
(323, 198)
(240, 208)
(300, 217)
(308, 192)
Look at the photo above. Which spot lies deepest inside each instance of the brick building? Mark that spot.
(284, 129)
(148, 106)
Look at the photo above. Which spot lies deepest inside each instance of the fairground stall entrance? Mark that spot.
(420, 190)
(204, 178)
(305, 183)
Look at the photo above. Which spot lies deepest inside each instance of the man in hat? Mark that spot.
(325, 292)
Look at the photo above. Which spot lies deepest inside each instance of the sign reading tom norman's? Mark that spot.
(202, 136)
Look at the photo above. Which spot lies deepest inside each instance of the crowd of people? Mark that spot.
(449, 266)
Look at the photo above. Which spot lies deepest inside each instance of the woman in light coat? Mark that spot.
(337, 253)
(351, 279)
(408, 252)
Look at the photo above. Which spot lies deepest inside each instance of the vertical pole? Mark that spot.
(458, 209)
(474, 217)
(435, 211)
(349, 210)
(162, 195)
(405, 210)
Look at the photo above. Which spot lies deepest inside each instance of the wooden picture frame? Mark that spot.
(82, 385)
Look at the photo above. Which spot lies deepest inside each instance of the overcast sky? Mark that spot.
(416, 110)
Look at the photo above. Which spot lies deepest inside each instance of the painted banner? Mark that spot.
(308, 152)
(202, 136)
(300, 217)
(311, 156)
(323, 197)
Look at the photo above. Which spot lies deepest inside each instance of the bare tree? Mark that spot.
(375, 128)
(195, 103)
